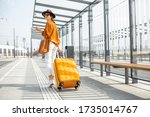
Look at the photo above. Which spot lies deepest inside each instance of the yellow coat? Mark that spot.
(51, 32)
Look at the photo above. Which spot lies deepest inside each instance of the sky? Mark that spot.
(16, 14)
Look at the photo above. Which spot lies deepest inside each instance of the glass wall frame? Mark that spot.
(119, 36)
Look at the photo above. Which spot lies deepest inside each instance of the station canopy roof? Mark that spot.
(65, 11)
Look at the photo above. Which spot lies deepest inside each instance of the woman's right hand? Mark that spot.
(59, 50)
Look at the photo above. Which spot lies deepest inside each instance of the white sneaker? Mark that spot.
(51, 85)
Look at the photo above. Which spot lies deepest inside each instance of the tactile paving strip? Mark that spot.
(48, 94)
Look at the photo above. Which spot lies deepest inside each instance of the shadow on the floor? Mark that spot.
(99, 87)
(27, 87)
(112, 92)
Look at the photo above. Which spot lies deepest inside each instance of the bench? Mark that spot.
(123, 65)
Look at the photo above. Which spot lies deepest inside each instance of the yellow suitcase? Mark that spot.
(66, 73)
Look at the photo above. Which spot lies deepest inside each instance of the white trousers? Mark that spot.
(50, 57)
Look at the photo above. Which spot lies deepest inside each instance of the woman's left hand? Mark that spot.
(38, 30)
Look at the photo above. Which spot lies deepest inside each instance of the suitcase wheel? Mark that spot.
(76, 87)
(78, 83)
(61, 84)
(59, 88)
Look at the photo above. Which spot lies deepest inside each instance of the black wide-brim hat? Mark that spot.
(50, 12)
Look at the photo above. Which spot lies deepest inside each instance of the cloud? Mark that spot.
(11, 2)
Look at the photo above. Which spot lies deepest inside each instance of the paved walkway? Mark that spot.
(26, 79)
(4, 61)
(23, 81)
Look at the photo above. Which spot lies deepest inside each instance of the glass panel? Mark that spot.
(98, 33)
(69, 34)
(64, 41)
(143, 35)
(119, 40)
(76, 40)
(85, 37)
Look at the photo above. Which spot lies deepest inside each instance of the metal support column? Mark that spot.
(60, 35)
(24, 40)
(67, 39)
(17, 45)
(59, 31)
(31, 28)
(106, 35)
(80, 43)
(31, 45)
(101, 68)
(62, 39)
(72, 33)
(6, 52)
(126, 76)
(31, 48)
(90, 21)
(14, 43)
(133, 39)
(2, 52)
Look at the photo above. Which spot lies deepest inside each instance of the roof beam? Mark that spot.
(60, 15)
(36, 34)
(39, 22)
(43, 23)
(37, 25)
(57, 7)
(85, 9)
(66, 16)
(54, 19)
(80, 1)
(33, 29)
(60, 21)
(96, 2)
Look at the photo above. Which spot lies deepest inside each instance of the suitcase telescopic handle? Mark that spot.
(59, 55)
